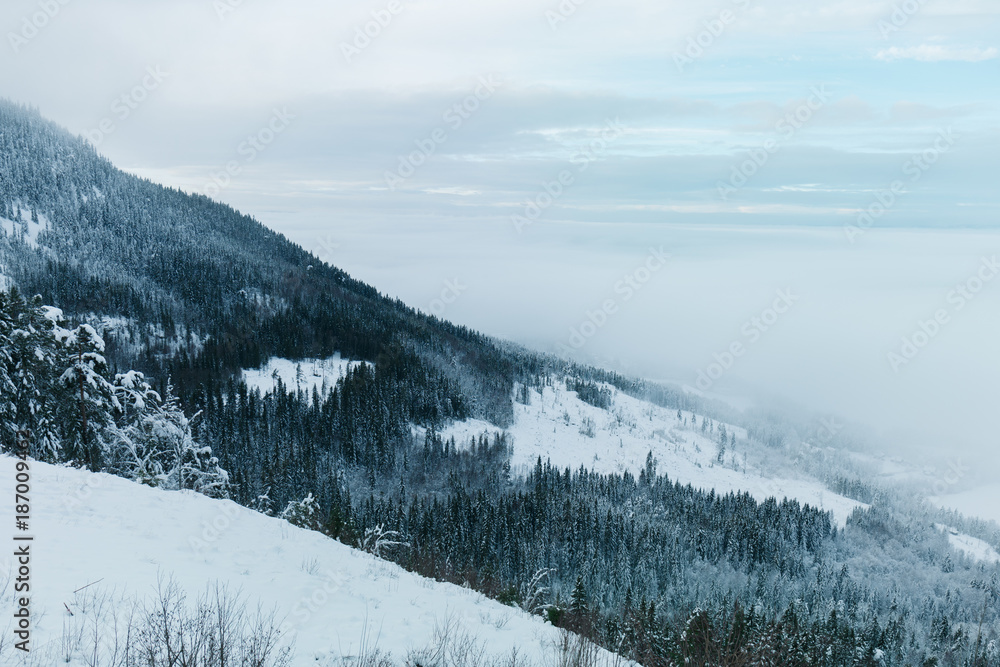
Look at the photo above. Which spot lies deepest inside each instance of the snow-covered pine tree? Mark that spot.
(134, 453)
(578, 598)
(8, 412)
(55, 389)
(159, 448)
(86, 399)
(28, 355)
(302, 513)
(153, 442)
(263, 503)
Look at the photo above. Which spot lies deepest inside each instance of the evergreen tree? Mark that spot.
(578, 598)
(87, 399)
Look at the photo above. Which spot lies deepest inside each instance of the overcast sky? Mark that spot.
(696, 85)
(525, 155)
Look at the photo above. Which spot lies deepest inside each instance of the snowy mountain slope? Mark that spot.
(27, 230)
(951, 484)
(982, 501)
(98, 528)
(318, 373)
(972, 547)
(560, 427)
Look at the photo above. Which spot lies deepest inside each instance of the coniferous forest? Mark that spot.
(130, 308)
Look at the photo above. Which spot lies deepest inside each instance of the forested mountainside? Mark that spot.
(187, 292)
(205, 290)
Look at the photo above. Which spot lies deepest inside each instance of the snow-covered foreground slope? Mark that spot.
(560, 427)
(99, 528)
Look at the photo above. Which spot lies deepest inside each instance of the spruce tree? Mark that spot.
(87, 396)
(578, 598)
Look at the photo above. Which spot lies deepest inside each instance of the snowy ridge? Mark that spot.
(95, 527)
(560, 427)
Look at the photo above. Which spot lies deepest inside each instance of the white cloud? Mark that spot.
(933, 53)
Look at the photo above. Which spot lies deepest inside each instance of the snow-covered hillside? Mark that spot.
(560, 427)
(982, 501)
(557, 425)
(950, 483)
(98, 528)
(304, 375)
(25, 230)
(972, 547)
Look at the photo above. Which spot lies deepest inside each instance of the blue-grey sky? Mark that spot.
(697, 87)
(505, 164)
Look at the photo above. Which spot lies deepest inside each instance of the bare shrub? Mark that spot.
(454, 646)
(573, 650)
(369, 653)
(218, 630)
(451, 646)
